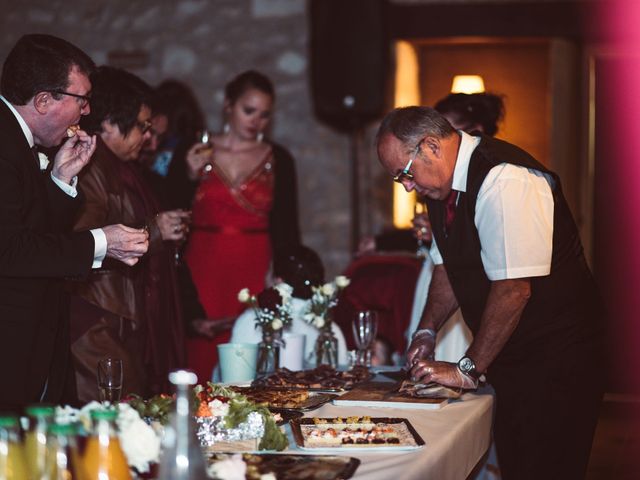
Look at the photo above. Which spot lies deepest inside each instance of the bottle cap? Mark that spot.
(63, 429)
(8, 421)
(104, 414)
(183, 377)
(40, 410)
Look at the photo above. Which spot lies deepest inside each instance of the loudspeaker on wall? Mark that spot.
(350, 52)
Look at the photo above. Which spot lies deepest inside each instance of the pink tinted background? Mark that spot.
(617, 185)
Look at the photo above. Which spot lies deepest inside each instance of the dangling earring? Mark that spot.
(259, 137)
(226, 128)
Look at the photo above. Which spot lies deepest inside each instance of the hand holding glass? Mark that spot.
(365, 328)
(110, 379)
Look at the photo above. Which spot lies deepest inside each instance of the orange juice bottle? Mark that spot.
(12, 461)
(63, 462)
(103, 457)
(35, 440)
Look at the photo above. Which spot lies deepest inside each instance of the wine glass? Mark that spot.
(365, 328)
(205, 137)
(420, 209)
(110, 379)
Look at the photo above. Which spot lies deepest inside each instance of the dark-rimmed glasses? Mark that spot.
(405, 174)
(143, 126)
(85, 98)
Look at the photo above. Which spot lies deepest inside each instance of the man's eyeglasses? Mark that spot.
(143, 126)
(84, 99)
(405, 174)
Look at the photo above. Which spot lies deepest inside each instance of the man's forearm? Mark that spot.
(507, 299)
(441, 301)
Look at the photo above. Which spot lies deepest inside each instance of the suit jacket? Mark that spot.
(37, 249)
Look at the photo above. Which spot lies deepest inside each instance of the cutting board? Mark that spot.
(381, 394)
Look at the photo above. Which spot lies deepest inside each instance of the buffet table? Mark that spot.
(456, 437)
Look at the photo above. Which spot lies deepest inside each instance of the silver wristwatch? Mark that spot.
(467, 366)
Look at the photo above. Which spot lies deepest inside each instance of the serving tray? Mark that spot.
(298, 467)
(401, 428)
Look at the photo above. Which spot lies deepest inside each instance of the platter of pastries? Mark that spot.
(280, 399)
(324, 378)
(360, 433)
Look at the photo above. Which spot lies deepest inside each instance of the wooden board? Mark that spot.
(384, 394)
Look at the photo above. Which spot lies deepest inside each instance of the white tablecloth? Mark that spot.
(456, 437)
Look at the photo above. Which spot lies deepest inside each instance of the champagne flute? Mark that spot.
(110, 379)
(420, 209)
(205, 135)
(365, 328)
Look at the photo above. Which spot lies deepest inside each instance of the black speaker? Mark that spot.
(350, 53)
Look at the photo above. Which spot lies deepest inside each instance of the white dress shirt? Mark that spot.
(514, 217)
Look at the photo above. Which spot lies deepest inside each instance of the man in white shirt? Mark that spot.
(45, 89)
(506, 251)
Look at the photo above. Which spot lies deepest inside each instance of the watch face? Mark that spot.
(467, 365)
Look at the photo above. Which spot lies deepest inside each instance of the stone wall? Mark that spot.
(205, 43)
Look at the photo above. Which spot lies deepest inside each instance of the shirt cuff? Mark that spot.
(65, 187)
(100, 247)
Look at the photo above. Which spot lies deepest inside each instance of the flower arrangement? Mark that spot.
(324, 298)
(271, 306)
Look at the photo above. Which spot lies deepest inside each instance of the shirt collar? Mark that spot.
(25, 128)
(468, 143)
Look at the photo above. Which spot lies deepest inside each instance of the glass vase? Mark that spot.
(326, 348)
(269, 352)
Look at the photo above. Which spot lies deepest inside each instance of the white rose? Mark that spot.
(276, 324)
(140, 443)
(328, 289)
(284, 290)
(342, 281)
(218, 408)
(318, 322)
(244, 295)
(268, 476)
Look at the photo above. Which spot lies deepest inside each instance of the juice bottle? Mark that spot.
(35, 440)
(63, 462)
(103, 457)
(12, 461)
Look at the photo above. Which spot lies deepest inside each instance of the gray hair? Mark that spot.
(412, 124)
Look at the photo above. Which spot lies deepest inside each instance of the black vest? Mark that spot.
(566, 300)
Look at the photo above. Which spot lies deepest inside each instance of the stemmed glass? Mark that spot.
(365, 328)
(110, 379)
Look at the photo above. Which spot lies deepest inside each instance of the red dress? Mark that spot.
(229, 249)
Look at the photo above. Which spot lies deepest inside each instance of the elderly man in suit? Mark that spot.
(45, 89)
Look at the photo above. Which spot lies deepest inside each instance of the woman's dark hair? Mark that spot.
(40, 63)
(246, 81)
(484, 109)
(300, 267)
(177, 101)
(116, 96)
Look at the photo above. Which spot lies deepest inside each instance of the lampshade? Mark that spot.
(467, 84)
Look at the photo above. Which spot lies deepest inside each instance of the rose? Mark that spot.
(269, 299)
(244, 295)
(328, 289)
(318, 322)
(284, 290)
(342, 281)
(276, 324)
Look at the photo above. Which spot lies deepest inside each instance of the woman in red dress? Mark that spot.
(245, 206)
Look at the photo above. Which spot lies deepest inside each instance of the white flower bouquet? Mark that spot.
(324, 298)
